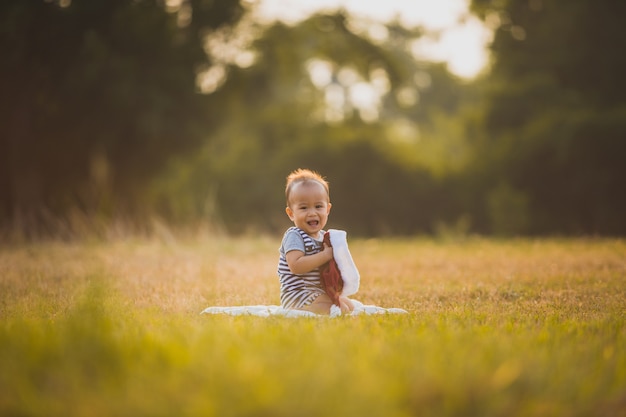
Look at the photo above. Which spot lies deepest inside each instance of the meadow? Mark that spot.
(519, 327)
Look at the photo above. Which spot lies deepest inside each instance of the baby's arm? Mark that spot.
(301, 264)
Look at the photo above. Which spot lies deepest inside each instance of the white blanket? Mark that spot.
(351, 281)
(271, 310)
(341, 254)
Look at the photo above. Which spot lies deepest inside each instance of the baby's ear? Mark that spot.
(289, 212)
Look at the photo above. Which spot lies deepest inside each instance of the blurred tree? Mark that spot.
(324, 95)
(555, 121)
(95, 95)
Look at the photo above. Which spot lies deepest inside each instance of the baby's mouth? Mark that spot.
(313, 223)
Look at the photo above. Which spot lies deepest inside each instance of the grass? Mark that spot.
(495, 328)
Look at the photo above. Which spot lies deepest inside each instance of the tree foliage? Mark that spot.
(101, 112)
(278, 117)
(555, 115)
(95, 95)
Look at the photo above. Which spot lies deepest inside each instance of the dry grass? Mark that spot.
(510, 328)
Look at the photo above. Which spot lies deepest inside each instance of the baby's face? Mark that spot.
(309, 207)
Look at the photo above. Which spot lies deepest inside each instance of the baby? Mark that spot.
(302, 251)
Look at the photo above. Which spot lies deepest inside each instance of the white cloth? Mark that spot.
(341, 254)
(272, 310)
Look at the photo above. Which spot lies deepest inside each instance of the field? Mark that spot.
(495, 328)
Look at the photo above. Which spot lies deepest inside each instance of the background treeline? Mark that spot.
(190, 112)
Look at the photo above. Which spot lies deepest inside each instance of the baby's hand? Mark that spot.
(345, 305)
(328, 252)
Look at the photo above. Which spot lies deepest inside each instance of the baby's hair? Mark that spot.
(303, 176)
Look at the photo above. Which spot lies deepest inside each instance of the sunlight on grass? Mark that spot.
(507, 328)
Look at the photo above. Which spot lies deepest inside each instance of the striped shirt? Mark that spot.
(297, 291)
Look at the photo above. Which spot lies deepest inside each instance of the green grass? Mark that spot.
(495, 328)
